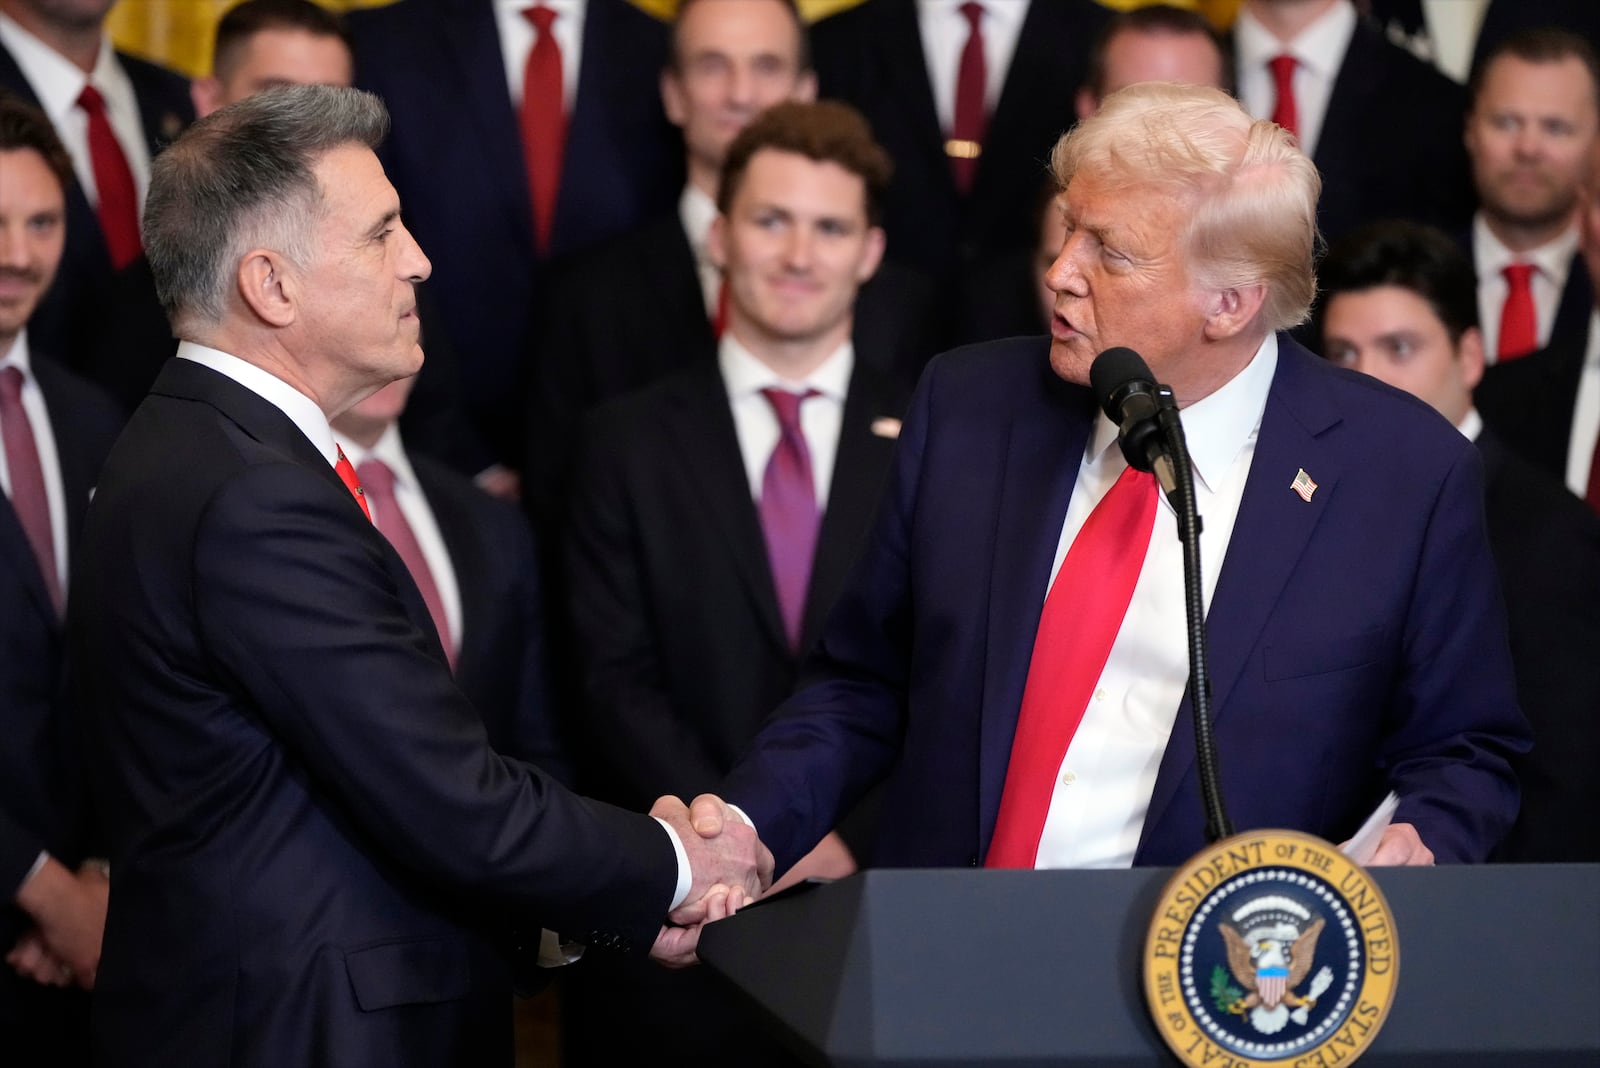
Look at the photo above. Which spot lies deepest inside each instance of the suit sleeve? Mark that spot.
(643, 740)
(298, 606)
(1456, 723)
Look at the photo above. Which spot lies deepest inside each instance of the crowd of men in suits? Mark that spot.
(676, 284)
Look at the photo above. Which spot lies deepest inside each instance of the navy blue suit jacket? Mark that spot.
(1357, 640)
(455, 156)
(316, 851)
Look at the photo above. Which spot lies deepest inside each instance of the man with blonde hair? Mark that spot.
(1011, 653)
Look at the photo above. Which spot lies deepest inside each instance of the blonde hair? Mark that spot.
(1253, 191)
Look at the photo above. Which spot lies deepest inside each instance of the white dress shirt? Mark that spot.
(517, 40)
(1585, 413)
(1319, 52)
(945, 31)
(57, 81)
(309, 418)
(1552, 263)
(756, 424)
(697, 212)
(413, 503)
(1103, 787)
(44, 440)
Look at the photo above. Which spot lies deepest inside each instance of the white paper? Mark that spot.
(1364, 843)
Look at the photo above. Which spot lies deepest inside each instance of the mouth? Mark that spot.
(1062, 329)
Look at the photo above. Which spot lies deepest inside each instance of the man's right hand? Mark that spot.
(69, 910)
(722, 849)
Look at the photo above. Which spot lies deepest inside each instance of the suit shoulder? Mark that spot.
(153, 83)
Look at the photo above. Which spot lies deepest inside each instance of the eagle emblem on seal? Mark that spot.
(1271, 944)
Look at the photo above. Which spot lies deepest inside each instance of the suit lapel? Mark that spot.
(1046, 440)
(700, 421)
(161, 124)
(1270, 534)
(18, 552)
(472, 44)
(473, 582)
(907, 81)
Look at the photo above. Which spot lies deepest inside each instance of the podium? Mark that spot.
(1499, 966)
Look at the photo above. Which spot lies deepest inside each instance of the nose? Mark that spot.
(797, 253)
(1064, 275)
(741, 86)
(11, 245)
(413, 263)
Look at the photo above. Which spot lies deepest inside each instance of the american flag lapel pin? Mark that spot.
(1303, 485)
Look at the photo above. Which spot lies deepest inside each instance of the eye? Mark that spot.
(1343, 355)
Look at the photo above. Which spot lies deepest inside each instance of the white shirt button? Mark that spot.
(1068, 778)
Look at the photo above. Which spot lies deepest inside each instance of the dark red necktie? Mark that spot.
(1593, 492)
(347, 475)
(377, 482)
(544, 123)
(28, 497)
(971, 115)
(719, 320)
(1519, 326)
(789, 516)
(1284, 113)
(1077, 628)
(113, 181)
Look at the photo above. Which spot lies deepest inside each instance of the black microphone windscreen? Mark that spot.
(1114, 369)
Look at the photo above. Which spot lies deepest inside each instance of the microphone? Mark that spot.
(1128, 394)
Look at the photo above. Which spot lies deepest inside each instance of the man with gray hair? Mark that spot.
(316, 854)
(1011, 652)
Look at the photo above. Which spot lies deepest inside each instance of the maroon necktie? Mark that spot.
(113, 182)
(544, 122)
(1593, 493)
(378, 482)
(1077, 628)
(347, 474)
(28, 498)
(1284, 113)
(789, 516)
(1519, 327)
(971, 118)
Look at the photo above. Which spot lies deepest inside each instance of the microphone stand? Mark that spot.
(1182, 496)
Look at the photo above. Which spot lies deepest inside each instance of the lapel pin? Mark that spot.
(1303, 485)
(886, 427)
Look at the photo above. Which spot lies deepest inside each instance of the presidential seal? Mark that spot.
(1267, 948)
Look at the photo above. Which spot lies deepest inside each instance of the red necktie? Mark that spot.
(28, 498)
(544, 122)
(789, 516)
(347, 475)
(971, 118)
(1519, 327)
(1077, 628)
(1284, 113)
(378, 482)
(719, 321)
(113, 182)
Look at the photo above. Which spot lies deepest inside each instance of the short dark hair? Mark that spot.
(802, 36)
(1153, 19)
(1539, 45)
(825, 131)
(240, 177)
(244, 20)
(23, 126)
(1412, 256)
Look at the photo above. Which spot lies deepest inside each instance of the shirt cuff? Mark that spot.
(554, 953)
(685, 876)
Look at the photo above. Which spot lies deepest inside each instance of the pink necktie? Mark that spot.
(378, 482)
(1284, 113)
(544, 122)
(28, 498)
(789, 516)
(1519, 326)
(1077, 628)
(113, 182)
(971, 115)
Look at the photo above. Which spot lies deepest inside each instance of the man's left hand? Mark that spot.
(1401, 846)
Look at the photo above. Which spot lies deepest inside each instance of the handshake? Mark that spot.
(729, 865)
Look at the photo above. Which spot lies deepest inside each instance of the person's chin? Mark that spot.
(1070, 358)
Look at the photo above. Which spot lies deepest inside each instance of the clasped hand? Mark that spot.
(729, 866)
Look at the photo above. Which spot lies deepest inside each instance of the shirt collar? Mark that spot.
(1320, 46)
(387, 450)
(696, 211)
(1553, 258)
(300, 409)
(18, 356)
(745, 375)
(1220, 425)
(1471, 425)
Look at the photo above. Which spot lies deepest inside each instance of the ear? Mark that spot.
(717, 241)
(1085, 104)
(266, 288)
(207, 96)
(805, 87)
(872, 255)
(1231, 311)
(672, 98)
(1469, 350)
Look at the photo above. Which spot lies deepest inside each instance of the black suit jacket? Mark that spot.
(871, 56)
(107, 324)
(1546, 546)
(455, 155)
(43, 804)
(1529, 402)
(602, 340)
(315, 847)
(1391, 143)
(682, 646)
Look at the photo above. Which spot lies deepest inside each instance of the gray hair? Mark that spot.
(240, 179)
